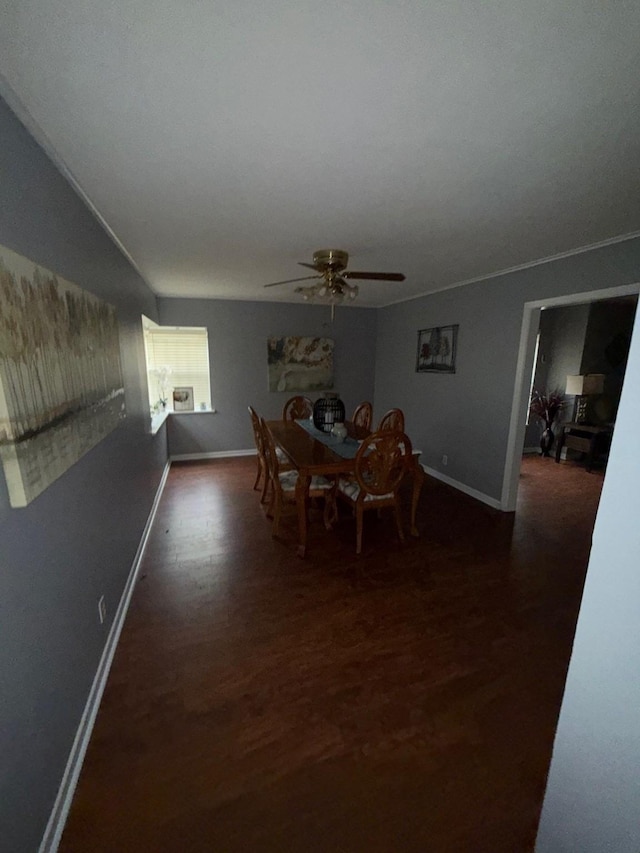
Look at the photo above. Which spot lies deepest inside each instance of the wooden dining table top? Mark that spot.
(309, 455)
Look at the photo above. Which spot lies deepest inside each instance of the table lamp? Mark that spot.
(582, 387)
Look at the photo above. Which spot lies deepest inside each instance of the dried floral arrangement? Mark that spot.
(547, 406)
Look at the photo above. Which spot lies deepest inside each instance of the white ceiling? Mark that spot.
(223, 141)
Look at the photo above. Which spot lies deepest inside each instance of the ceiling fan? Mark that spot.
(331, 276)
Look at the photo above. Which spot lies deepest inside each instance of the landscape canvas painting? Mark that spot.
(61, 388)
(437, 350)
(300, 364)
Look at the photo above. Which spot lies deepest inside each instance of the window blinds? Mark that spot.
(185, 351)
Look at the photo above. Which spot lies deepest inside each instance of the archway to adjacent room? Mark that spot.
(524, 370)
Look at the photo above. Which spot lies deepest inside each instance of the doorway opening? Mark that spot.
(566, 356)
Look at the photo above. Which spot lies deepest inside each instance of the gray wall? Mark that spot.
(606, 347)
(566, 343)
(592, 802)
(78, 539)
(238, 333)
(466, 415)
(562, 336)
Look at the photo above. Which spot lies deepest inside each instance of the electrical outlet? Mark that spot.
(445, 459)
(102, 609)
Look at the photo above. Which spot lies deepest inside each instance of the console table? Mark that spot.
(591, 440)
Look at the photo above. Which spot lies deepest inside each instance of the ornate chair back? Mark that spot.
(393, 419)
(381, 463)
(297, 408)
(283, 481)
(262, 461)
(363, 415)
(270, 454)
(257, 430)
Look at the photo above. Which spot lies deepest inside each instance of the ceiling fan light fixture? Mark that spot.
(331, 287)
(307, 293)
(325, 294)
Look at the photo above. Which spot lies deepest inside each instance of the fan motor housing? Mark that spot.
(335, 259)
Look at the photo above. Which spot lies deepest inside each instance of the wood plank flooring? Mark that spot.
(405, 700)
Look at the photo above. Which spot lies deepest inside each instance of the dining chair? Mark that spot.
(283, 485)
(393, 419)
(363, 415)
(263, 473)
(297, 408)
(262, 459)
(381, 463)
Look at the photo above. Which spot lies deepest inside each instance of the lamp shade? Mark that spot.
(590, 383)
(574, 385)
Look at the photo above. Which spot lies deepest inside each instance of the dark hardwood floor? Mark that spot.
(405, 700)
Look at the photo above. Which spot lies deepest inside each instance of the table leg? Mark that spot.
(418, 479)
(302, 500)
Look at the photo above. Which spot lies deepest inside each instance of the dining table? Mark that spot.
(313, 452)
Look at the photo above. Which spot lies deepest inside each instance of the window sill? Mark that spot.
(160, 417)
(195, 412)
(157, 420)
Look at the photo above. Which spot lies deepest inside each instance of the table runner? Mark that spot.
(347, 448)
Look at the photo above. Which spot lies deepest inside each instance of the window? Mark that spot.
(177, 357)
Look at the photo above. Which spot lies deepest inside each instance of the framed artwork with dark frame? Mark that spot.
(437, 350)
(183, 399)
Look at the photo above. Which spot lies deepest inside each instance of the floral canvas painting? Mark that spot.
(300, 364)
(61, 388)
(437, 350)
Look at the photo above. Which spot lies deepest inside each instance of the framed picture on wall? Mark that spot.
(437, 350)
(61, 385)
(300, 364)
(183, 399)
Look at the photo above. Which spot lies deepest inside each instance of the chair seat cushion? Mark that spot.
(282, 456)
(288, 480)
(351, 489)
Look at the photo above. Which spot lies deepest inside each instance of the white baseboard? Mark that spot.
(218, 454)
(530, 450)
(60, 811)
(461, 487)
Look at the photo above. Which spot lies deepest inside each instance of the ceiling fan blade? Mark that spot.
(375, 276)
(291, 280)
(311, 266)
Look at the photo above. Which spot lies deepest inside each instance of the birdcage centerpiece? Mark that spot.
(327, 411)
